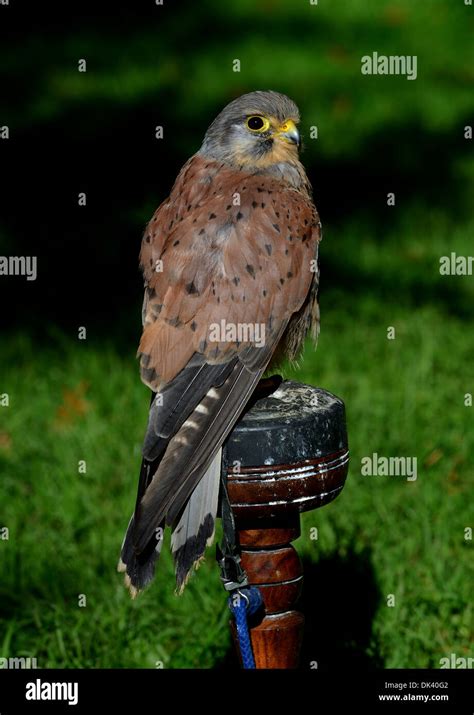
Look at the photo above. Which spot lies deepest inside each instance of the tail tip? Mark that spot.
(133, 591)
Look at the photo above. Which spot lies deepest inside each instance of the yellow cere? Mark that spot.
(288, 126)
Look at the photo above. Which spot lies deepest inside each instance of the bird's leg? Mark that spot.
(266, 386)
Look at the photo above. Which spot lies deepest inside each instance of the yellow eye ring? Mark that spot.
(257, 124)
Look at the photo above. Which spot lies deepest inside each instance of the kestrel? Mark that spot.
(230, 270)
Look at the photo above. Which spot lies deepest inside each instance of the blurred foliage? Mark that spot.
(182, 61)
(171, 65)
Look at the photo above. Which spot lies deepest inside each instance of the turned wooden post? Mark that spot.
(287, 454)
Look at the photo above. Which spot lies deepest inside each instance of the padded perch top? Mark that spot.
(288, 453)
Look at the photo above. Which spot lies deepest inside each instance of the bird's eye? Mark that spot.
(258, 124)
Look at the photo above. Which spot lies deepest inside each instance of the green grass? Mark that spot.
(74, 400)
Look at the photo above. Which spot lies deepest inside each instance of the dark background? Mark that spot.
(147, 65)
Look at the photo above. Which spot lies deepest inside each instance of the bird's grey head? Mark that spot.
(256, 130)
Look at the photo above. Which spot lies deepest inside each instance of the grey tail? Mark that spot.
(139, 569)
(194, 529)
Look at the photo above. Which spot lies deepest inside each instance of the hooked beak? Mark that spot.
(289, 133)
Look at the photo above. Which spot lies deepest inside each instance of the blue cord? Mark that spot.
(243, 603)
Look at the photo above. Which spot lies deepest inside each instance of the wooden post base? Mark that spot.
(274, 566)
(286, 455)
